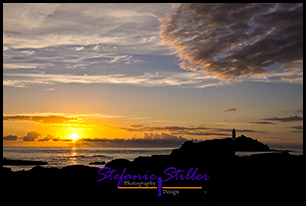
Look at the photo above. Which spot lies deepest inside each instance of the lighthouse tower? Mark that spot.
(233, 134)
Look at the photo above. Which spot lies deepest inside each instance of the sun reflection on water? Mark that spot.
(73, 154)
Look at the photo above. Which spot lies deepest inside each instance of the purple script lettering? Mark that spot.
(175, 173)
(108, 174)
(105, 176)
(172, 172)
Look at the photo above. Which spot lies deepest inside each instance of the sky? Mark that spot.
(151, 74)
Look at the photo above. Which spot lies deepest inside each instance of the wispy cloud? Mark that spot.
(148, 79)
(286, 119)
(178, 130)
(297, 127)
(29, 25)
(158, 79)
(143, 128)
(126, 59)
(70, 120)
(51, 119)
(65, 115)
(262, 123)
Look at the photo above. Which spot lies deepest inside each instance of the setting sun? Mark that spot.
(74, 137)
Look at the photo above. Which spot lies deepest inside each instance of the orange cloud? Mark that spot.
(31, 136)
(50, 119)
(290, 79)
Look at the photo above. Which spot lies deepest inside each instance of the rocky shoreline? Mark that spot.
(269, 178)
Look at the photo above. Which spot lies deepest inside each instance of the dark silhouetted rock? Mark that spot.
(218, 148)
(118, 163)
(6, 171)
(244, 143)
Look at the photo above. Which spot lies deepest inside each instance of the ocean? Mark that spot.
(63, 156)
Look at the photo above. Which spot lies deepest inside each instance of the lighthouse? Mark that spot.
(233, 134)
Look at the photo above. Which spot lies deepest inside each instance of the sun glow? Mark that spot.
(74, 137)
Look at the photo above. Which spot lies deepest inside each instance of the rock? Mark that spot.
(219, 147)
(6, 171)
(118, 163)
(141, 161)
(244, 143)
(213, 148)
(270, 156)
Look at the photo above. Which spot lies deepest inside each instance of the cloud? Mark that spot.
(291, 79)
(262, 123)
(50, 119)
(172, 138)
(149, 140)
(297, 127)
(203, 133)
(126, 59)
(27, 16)
(47, 25)
(146, 80)
(43, 47)
(68, 121)
(299, 111)
(230, 110)
(31, 136)
(49, 137)
(142, 128)
(286, 119)
(35, 136)
(177, 130)
(233, 41)
(10, 137)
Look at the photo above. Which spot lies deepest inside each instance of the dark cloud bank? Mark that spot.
(262, 123)
(149, 140)
(154, 136)
(10, 137)
(235, 40)
(286, 119)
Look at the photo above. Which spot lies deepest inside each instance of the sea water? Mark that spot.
(63, 156)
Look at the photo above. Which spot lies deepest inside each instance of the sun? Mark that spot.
(74, 137)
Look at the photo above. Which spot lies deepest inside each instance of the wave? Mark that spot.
(86, 156)
(100, 156)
